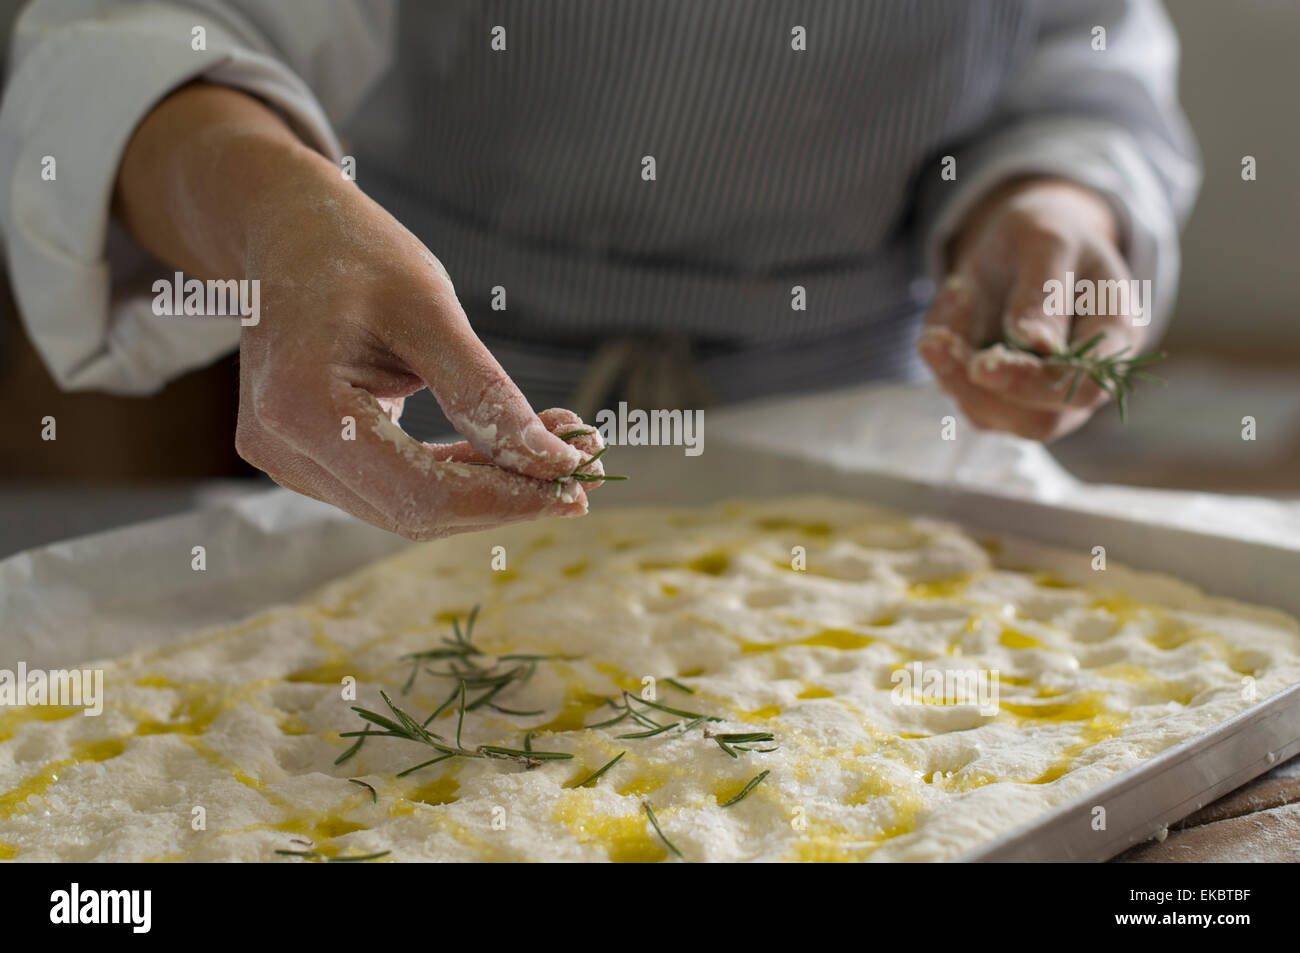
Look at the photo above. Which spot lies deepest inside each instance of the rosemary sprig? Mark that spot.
(584, 477)
(476, 671)
(650, 813)
(644, 720)
(460, 646)
(578, 473)
(1113, 373)
(408, 729)
(595, 775)
(753, 783)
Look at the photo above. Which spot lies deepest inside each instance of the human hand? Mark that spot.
(1023, 235)
(356, 315)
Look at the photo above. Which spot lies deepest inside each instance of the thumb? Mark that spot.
(489, 411)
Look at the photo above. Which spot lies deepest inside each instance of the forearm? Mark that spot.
(197, 172)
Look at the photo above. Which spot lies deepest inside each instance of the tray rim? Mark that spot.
(1061, 821)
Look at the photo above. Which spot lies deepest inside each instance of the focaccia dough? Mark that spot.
(1097, 672)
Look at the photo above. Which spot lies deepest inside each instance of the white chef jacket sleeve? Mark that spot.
(1105, 118)
(83, 74)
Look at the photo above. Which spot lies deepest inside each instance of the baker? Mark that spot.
(668, 203)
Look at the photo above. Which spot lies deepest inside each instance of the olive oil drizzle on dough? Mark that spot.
(1091, 721)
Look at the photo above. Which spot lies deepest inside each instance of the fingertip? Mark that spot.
(571, 501)
(944, 348)
(537, 453)
(547, 447)
(952, 301)
(1032, 332)
(997, 366)
(571, 428)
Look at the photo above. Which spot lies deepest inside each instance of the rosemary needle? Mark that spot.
(498, 751)
(621, 716)
(679, 686)
(316, 855)
(651, 732)
(753, 783)
(650, 813)
(584, 477)
(594, 457)
(415, 670)
(642, 719)
(744, 737)
(591, 778)
(726, 740)
(424, 764)
(374, 795)
(460, 721)
(516, 712)
(1113, 373)
(668, 709)
(361, 737)
(358, 858)
(441, 708)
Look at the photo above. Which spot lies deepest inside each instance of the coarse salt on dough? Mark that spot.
(243, 721)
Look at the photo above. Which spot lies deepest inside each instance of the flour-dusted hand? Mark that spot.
(1023, 236)
(355, 315)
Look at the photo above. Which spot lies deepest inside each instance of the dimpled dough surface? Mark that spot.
(1097, 673)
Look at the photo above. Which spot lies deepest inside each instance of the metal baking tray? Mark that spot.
(103, 595)
(1141, 803)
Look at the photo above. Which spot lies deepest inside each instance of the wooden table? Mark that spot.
(1257, 823)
